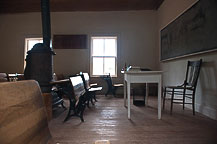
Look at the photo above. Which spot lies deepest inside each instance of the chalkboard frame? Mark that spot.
(187, 34)
(76, 41)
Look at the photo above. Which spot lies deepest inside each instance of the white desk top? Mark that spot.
(141, 72)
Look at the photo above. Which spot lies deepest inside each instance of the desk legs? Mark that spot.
(159, 99)
(128, 99)
(125, 95)
(146, 94)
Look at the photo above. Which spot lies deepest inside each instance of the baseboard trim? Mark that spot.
(207, 111)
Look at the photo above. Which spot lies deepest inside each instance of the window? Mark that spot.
(29, 43)
(103, 56)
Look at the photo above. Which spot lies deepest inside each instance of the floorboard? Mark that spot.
(107, 120)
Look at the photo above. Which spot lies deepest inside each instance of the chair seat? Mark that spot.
(111, 87)
(179, 87)
(95, 89)
(93, 85)
(118, 85)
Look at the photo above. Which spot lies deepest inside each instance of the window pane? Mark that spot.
(110, 47)
(31, 43)
(97, 66)
(98, 45)
(109, 66)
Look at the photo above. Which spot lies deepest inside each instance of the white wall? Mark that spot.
(13, 30)
(174, 70)
(136, 31)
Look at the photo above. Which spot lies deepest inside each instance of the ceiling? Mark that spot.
(20, 6)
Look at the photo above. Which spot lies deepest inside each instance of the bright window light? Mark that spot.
(30, 42)
(103, 56)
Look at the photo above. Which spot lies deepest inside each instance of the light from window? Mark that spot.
(30, 42)
(103, 56)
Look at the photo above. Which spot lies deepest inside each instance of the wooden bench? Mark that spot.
(23, 118)
(77, 97)
(90, 89)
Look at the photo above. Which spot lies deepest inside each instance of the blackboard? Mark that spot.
(70, 41)
(193, 32)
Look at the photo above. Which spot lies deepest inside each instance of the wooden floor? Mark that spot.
(107, 120)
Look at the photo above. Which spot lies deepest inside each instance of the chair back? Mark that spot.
(109, 80)
(192, 74)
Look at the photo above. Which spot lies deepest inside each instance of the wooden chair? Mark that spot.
(90, 89)
(182, 93)
(111, 87)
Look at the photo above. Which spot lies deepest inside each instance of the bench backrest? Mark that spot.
(86, 80)
(77, 86)
(23, 118)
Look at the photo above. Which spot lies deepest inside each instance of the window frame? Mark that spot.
(26, 45)
(91, 54)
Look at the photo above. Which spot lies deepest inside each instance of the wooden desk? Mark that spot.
(64, 81)
(15, 77)
(142, 77)
(73, 88)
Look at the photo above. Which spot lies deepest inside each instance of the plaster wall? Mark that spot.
(174, 70)
(136, 31)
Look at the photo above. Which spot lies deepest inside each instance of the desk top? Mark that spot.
(60, 81)
(142, 72)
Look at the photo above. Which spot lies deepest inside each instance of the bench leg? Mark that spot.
(91, 99)
(62, 104)
(94, 96)
(81, 113)
(69, 112)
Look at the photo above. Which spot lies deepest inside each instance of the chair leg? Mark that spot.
(69, 112)
(94, 96)
(114, 91)
(91, 100)
(172, 97)
(62, 104)
(164, 97)
(183, 104)
(193, 104)
(88, 105)
(106, 93)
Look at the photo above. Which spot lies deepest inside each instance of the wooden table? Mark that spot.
(142, 77)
